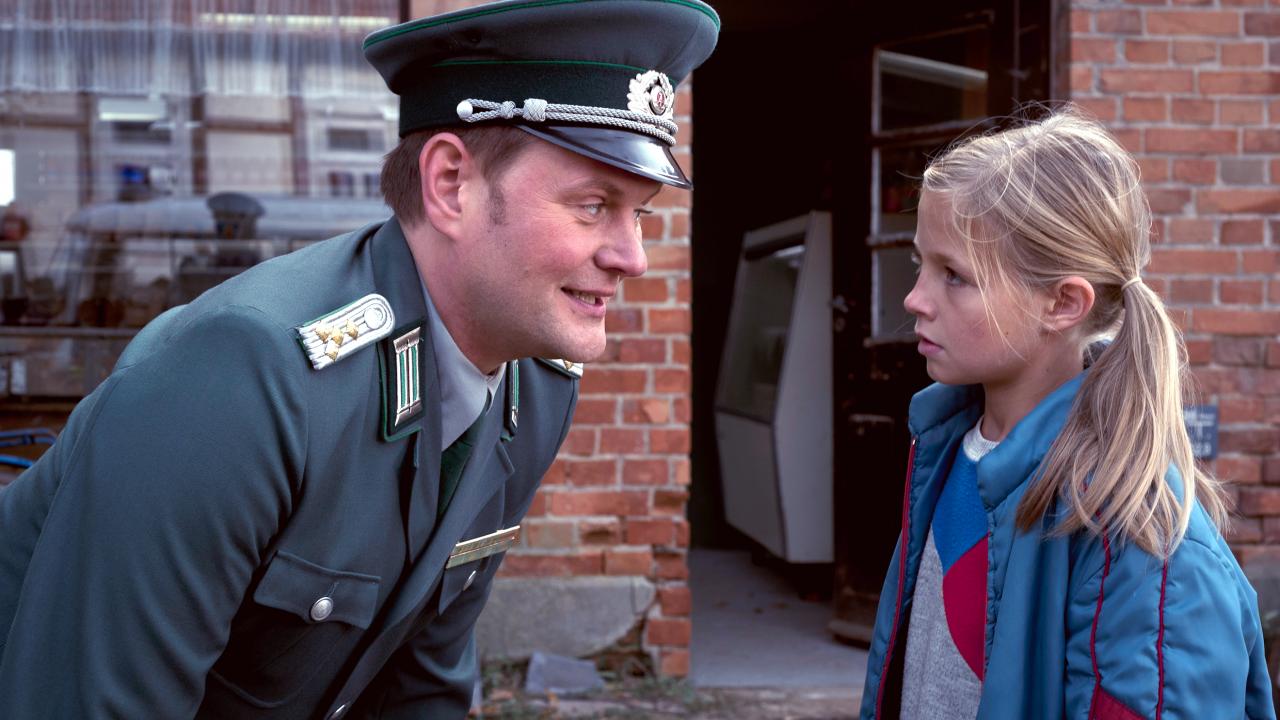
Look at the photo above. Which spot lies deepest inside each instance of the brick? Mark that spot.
(591, 473)
(1243, 171)
(669, 257)
(554, 474)
(675, 442)
(1224, 23)
(670, 197)
(580, 441)
(674, 663)
(1243, 409)
(1257, 440)
(523, 565)
(644, 472)
(1201, 142)
(650, 532)
(672, 566)
(642, 350)
(1259, 501)
(1168, 201)
(1240, 112)
(646, 411)
(1262, 141)
(675, 601)
(1239, 83)
(1081, 21)
(1100, 50)
(1243, 54)
(1103, 108)
(1195, 171)
(538, 507)
(653, 227)
(684, 290)
(679, 227)
(628, 562)
(1146, 109)
(681, 352)
(1244, 530)
(662, 320)
(596, 411)
(1153, 168)
(623, 503)
(1194, 52)
(1241, 292)
(1273, 354)
(646, 290)
(623, 320)
(1243, 232)
(1193, 112)
(1266, 24)
(1238, 200)
(1237, 322)
(1261, 261)
(1118, 21)
(668, 631)
(1130, 139)
(1146, 51)
(682, 533)
(548, 534)
(1199, 352)
(1146, 81)
(1216, 381)
(669, 502)
(1190, 262)
(621, 441)
(1271, 470)
(683, 407)
(599, 531)
(1242, 469)
(1186, 290)
(1239, 351)
(1191, 231)
(672, 381)
(1081, 78)
(613, 381)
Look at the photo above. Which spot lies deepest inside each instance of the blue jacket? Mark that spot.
(1077, 626)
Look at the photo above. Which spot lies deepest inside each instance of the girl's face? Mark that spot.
(961, 344)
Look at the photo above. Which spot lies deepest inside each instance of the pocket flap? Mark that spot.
(301, 587)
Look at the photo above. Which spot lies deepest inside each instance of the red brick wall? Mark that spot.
(1193, 89)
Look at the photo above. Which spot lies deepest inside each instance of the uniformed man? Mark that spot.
(291, 496)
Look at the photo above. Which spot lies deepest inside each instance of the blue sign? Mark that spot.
(1202, 426)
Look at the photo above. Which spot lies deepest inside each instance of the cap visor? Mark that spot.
(633, 152)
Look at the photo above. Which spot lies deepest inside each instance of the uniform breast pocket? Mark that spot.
(299, 625)
(473, 561)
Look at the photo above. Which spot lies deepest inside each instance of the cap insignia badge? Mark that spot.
(651, 94)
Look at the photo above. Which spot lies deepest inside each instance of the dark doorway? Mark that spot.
(819, 105)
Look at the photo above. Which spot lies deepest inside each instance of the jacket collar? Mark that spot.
(941, 411)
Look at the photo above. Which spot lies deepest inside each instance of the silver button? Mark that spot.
(322, 609)
(470, 579)
(342, 710)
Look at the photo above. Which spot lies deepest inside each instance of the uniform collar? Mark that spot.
(464, 389)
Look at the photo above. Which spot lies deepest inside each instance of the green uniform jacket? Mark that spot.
(162, 560)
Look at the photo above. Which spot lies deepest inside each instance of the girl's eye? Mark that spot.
(952, 278)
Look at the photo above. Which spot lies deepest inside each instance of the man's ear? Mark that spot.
(1071, 301)
(445, 167)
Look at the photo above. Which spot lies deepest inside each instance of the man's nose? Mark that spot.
(624, 254)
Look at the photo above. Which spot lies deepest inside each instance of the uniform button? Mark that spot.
(470, 579)
(342, 710)
(322, 609)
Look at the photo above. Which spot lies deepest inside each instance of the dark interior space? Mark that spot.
(784, 125)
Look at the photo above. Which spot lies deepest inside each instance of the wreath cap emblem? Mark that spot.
(651, 93)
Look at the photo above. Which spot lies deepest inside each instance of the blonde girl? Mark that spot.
(1060, 554)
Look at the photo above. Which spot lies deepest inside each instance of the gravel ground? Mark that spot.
(663, 699)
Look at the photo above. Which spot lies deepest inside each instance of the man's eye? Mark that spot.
(594, 209)
(641, 212)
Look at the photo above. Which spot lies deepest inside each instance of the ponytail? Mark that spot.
(1125, 430)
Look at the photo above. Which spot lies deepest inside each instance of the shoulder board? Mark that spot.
(564, 367)
(342, 332)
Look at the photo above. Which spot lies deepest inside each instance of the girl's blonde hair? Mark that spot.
(1057, 198)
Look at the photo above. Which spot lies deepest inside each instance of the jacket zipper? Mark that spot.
(902, 577)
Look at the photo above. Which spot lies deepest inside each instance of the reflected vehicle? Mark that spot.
(67, 315)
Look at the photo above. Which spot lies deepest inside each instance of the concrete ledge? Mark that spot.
(566, 616)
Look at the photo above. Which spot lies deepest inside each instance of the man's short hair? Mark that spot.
(494, 149)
